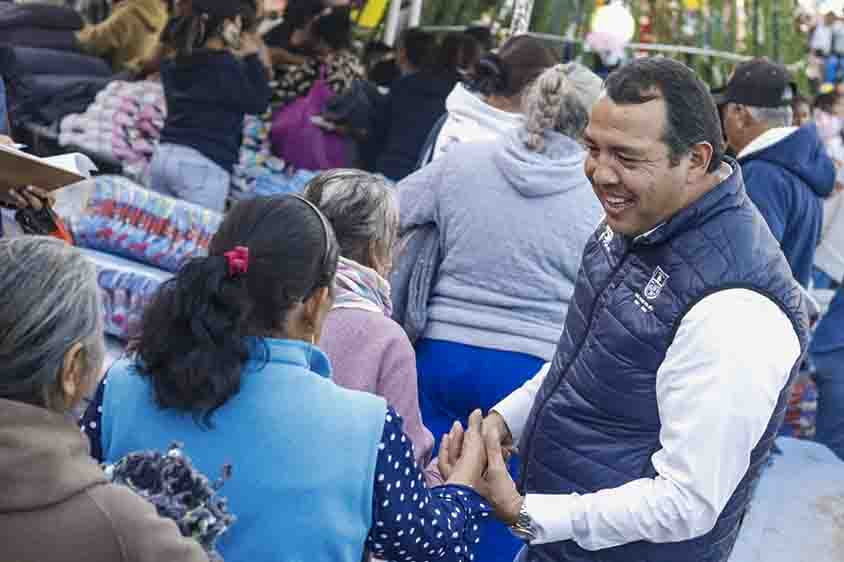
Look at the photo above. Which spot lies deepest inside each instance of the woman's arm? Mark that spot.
(412, 522)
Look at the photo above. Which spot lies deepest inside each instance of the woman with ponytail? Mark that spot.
(512, 227)
(490, 103)
(215, 77)
(227, 363)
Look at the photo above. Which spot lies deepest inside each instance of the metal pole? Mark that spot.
(415, 13)
(775, 15)
(755, 23)
(391, 29)
(522, 11)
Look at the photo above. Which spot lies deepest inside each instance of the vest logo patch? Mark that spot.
(656, 284)
(606, 237)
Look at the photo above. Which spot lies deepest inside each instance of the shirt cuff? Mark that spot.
(515, 413)
(552, 516)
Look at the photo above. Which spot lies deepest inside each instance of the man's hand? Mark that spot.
(496, 428)
(27, 197)
(499, 488)
(463, 456)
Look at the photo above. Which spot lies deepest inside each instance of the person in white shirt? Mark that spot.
(642, 439)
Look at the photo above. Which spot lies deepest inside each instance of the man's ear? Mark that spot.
(700, 158)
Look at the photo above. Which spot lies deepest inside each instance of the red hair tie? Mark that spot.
(238, 259)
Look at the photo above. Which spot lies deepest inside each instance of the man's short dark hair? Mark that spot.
(692, 116)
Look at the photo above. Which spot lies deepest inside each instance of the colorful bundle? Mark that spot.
(124, 123)
(259, 173)
(124, 219)
(802, 410)
(179, 492)
(125, 289)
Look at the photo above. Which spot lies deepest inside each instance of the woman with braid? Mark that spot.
(513, 227)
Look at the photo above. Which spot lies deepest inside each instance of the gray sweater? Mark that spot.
(513, 224)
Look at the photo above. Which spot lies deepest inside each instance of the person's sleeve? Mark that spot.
(105, 38)
(91, 422)
(770, 193)
(144, 536)
(717, 389)
(411, 522)
(254, 90)
(397, 384)
(515, 409)
(419, 195)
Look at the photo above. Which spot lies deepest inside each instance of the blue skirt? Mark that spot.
(455, 380)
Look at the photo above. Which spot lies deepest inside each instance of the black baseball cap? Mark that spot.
(758, 83)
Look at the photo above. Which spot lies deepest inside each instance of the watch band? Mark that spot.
(524, 528)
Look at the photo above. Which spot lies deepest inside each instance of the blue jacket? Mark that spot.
(303, 452)
(595, 423)
(787, 181)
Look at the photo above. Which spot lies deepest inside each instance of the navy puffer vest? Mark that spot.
(595, 423)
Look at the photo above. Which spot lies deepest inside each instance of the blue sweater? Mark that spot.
(303, 452)
(207, 96)
(787, 181)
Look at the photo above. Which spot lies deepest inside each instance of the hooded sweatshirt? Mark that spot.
(56, 505)
(787, 174)
(512, 227)
(128, 35)
(471, 119)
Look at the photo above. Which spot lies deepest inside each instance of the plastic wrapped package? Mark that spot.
(125, 289)
(258, 172)
(112, 214)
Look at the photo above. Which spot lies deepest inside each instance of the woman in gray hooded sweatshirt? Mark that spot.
(514, 215)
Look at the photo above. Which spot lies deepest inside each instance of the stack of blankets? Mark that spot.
(136, 239)
(123, 124)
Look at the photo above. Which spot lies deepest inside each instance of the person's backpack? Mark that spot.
(301, 143)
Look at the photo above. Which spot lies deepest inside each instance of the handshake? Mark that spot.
(477, 457)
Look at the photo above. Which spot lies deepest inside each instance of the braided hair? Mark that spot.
(559, 100)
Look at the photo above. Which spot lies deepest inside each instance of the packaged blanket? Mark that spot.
(112, 214)
(124, 124)
(126, 287)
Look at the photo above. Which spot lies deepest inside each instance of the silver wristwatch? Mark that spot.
(524, 528)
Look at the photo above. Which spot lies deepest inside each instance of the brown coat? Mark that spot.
(56, 505)
(129, 35)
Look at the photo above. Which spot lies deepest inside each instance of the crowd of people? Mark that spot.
(518, 313)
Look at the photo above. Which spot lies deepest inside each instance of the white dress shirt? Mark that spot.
(716, 391)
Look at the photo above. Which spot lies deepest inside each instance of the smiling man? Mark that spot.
(642, 440)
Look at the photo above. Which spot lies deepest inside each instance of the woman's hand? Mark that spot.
(499, 488)
(27, 197)
(463, 456)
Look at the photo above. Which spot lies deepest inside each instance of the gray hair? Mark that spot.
(49, 302)
(772, 116)
(559, 100)
(362, 208)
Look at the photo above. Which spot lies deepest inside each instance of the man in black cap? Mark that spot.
(786, 169)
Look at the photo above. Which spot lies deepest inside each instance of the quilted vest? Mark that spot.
(595, 423)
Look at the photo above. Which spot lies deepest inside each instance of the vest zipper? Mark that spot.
(611, 285)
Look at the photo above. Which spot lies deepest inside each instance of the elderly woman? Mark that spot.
(512, 227)
(228, 363)
(55, 502)
(367, 349)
